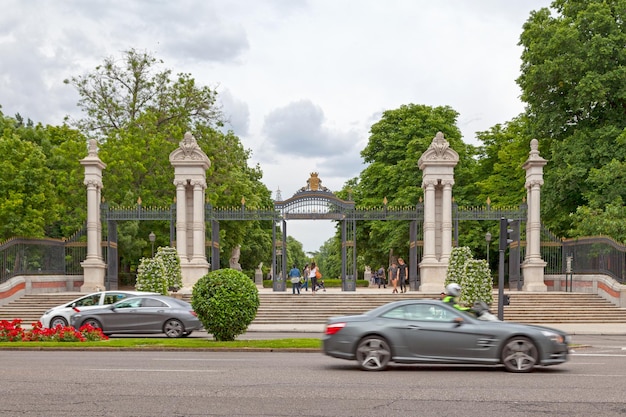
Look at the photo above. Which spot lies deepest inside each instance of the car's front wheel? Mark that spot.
(373, 353)
(56, 321)
(519, 355)
(173, 328)
(93, 323)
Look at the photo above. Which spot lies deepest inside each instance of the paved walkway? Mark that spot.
(571, 328)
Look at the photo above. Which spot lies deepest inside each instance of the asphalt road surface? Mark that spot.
(158, 383)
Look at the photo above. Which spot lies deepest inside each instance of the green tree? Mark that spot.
(135, 92)
(139, 112)
(56, 178)
(572, 79)
(27, 202)
(395, 145)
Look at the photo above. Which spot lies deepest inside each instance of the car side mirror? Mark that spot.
(458, 321)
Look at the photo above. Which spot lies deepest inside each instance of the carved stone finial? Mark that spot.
(534, 149)
(439, 144)
(188, 144)
(92, 149)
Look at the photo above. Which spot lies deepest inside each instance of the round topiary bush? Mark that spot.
(226, 302)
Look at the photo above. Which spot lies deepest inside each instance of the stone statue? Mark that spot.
(234, 258)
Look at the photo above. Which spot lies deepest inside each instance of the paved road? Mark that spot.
(138, 384)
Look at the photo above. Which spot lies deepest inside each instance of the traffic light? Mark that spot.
(509, 232)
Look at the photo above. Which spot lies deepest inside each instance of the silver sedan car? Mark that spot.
(433, 332)
(146, 314)
(60, 315)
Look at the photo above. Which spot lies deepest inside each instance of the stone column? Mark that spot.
(429, 221)
(446, 221)
(533, 266)
(94, 268)
(190, 166)
(181, 219)
(199, 252)
(437, 164)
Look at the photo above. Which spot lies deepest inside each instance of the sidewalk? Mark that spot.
(571, 328)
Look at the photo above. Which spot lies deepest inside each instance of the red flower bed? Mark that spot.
(12, 331)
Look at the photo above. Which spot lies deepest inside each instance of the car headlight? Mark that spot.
(555, 337)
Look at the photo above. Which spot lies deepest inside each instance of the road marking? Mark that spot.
(152, 370)
(601, 355)
(203, 359)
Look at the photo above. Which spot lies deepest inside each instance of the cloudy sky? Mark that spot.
(301, 81)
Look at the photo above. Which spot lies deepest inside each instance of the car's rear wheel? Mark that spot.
(56, 321)
(373, 353)
(93, 323)
(519, 355)
(173, 328)
(186, 334)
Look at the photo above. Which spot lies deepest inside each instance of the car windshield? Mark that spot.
(129, 303)
(427, 312)
(90, 300)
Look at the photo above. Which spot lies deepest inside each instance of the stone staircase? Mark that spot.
(285, 308)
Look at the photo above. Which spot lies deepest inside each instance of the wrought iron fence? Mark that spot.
(20, 256)
(589, 255)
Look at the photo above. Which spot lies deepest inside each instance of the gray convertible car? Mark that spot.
(146, 314)
(430, 331)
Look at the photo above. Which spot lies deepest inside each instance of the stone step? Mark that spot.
(284, 308)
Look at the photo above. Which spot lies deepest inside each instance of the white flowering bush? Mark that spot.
(477, 283)
(456, 265)
(472, 275)
(171, 261)
(151, 275)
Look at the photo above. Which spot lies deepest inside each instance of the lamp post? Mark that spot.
(152, 238)
(488, 239)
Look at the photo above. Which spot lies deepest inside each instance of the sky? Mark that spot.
(300, 82)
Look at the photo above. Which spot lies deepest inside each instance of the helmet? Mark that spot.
(453, 289)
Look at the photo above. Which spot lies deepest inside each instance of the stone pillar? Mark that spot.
(199, 251)
(437, 164)
(446, 222)
(181, 219)
(94, 268)
(190, 166)
(533, 266)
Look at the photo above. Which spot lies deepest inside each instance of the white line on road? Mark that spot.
(153, 370)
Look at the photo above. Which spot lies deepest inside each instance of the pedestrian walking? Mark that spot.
(294, 275)
(392, 273)
(403, 275)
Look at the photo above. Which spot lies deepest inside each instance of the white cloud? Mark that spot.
(301, 82)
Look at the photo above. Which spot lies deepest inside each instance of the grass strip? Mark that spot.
(158, 343)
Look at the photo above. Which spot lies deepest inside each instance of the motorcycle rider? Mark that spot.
(453, 291)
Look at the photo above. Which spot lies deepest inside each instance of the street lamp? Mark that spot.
(488, 239)
(152, 238)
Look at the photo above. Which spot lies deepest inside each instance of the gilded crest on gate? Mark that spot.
(314, 182)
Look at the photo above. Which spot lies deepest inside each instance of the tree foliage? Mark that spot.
(40, 179)
(139, 113)
(395, 145)
(572, 79)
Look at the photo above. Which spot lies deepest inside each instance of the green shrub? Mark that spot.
(226, 301)
(151, 276)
